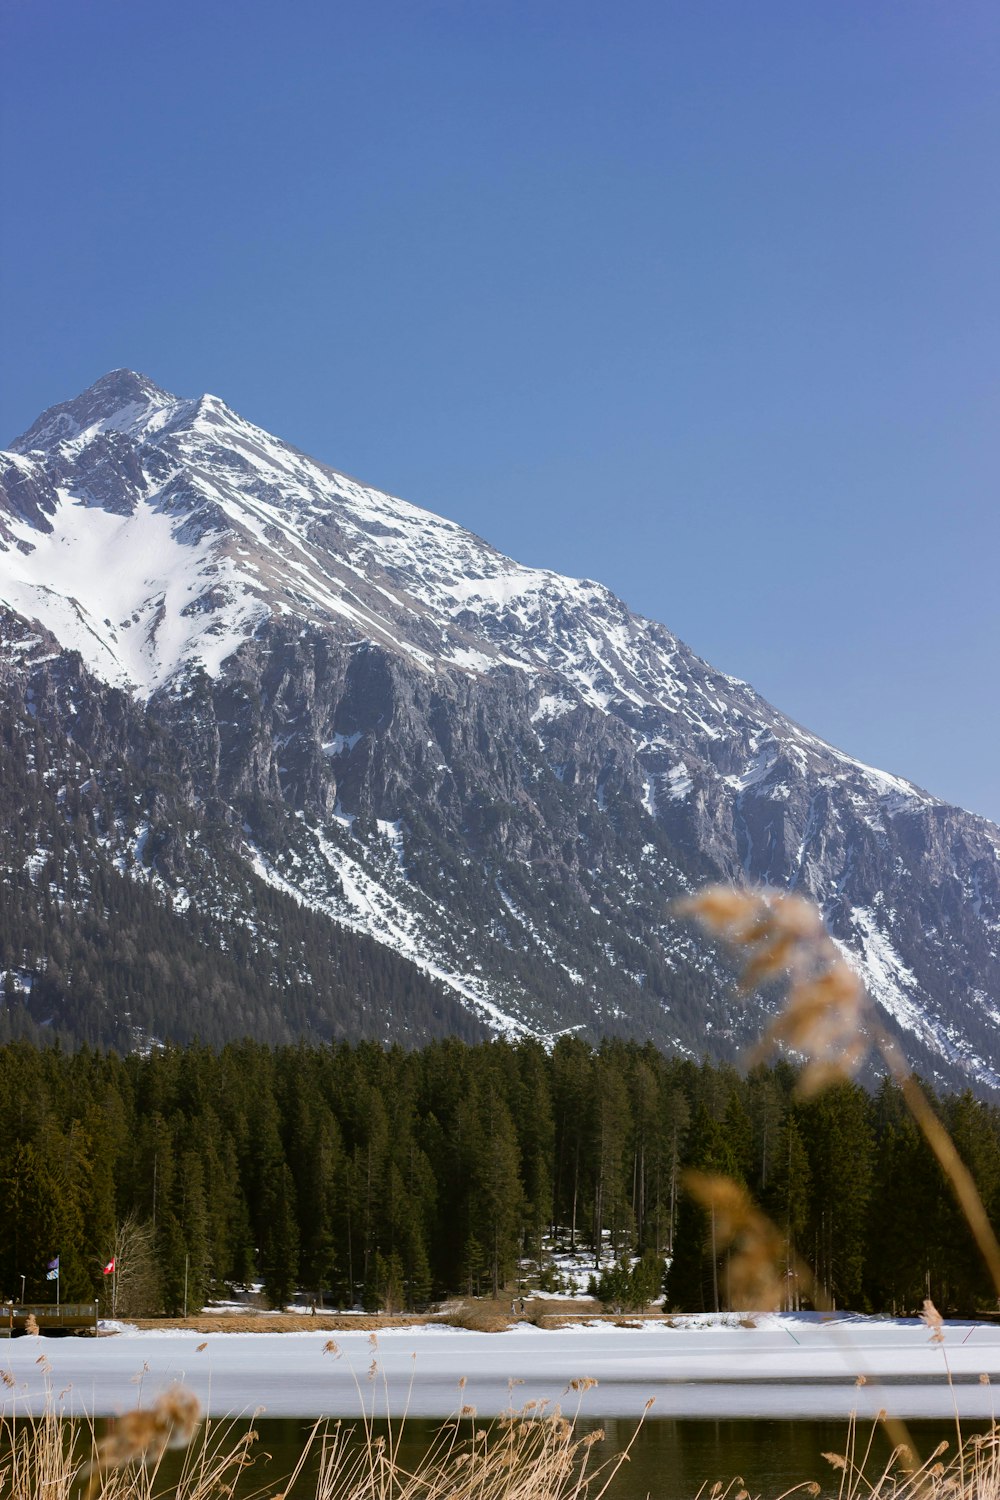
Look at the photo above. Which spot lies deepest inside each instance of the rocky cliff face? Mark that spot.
(498, 774)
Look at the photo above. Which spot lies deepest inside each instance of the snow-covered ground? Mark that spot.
(786, 1366)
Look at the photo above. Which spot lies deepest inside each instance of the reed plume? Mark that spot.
(826, 1017)
(779, 934)
(142, 1437)
(757, 1249)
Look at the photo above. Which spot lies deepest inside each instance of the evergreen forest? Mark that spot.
(389, 1178)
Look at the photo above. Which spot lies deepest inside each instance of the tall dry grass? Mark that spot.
(52, 1458)
(967, 1470)
(970, 1471)
(528, 1454)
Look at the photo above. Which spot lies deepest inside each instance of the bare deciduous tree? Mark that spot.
(134, 1287)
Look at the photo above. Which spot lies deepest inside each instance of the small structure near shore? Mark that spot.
(68, 1317)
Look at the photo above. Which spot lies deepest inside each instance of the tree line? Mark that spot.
(391, 1177)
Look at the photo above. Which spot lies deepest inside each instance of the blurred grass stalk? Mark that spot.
(529, 1454)
(827, 1017)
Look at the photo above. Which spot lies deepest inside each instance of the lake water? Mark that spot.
(670, 1459)
(761, 1402)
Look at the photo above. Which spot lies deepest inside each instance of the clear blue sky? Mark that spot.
(701, 299)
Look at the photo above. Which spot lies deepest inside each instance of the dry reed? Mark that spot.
(54, 1458)
(827, 1017)
(527, 1454)
(756, 1269)
(971, 1473)
(777, 934)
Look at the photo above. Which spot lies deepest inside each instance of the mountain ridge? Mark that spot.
(507, 716)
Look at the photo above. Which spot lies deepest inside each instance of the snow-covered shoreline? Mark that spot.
(785, 1366)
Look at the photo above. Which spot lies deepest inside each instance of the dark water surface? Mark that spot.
(670, 1459)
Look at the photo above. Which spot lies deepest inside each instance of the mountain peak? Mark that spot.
(118, 400)
(420, 738)
(124, 384)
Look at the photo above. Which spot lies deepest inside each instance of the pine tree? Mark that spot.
(787, 1199)
(611, 1126)
(836, 1127)
(962, 1277)
(536, 1134)
(572, 1064)
(192, 1217)
(496, 1204)
(902, 1245)
(694, 1281)
(279, 1249)
(473, 1266)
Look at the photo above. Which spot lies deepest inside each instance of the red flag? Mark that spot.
(109, 1268)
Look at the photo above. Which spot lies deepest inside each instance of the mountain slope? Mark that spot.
(497, 773)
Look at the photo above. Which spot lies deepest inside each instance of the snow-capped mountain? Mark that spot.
(497, 773)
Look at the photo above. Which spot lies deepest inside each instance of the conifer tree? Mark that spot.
(279, 1249)
(963, 1279)
(641, 1175)
(536, 1133)
(192, 1217)
(675, 1121)
(473, 1266)
(695, 1281)
(572, 1063)
(902, 1245)
(611, 1118)
(836, 1127)
(787, 1199)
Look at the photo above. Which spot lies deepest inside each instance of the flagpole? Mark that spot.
(57, 1282)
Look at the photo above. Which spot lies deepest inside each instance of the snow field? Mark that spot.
(784, 1367)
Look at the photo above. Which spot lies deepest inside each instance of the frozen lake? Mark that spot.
(786, 1367)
